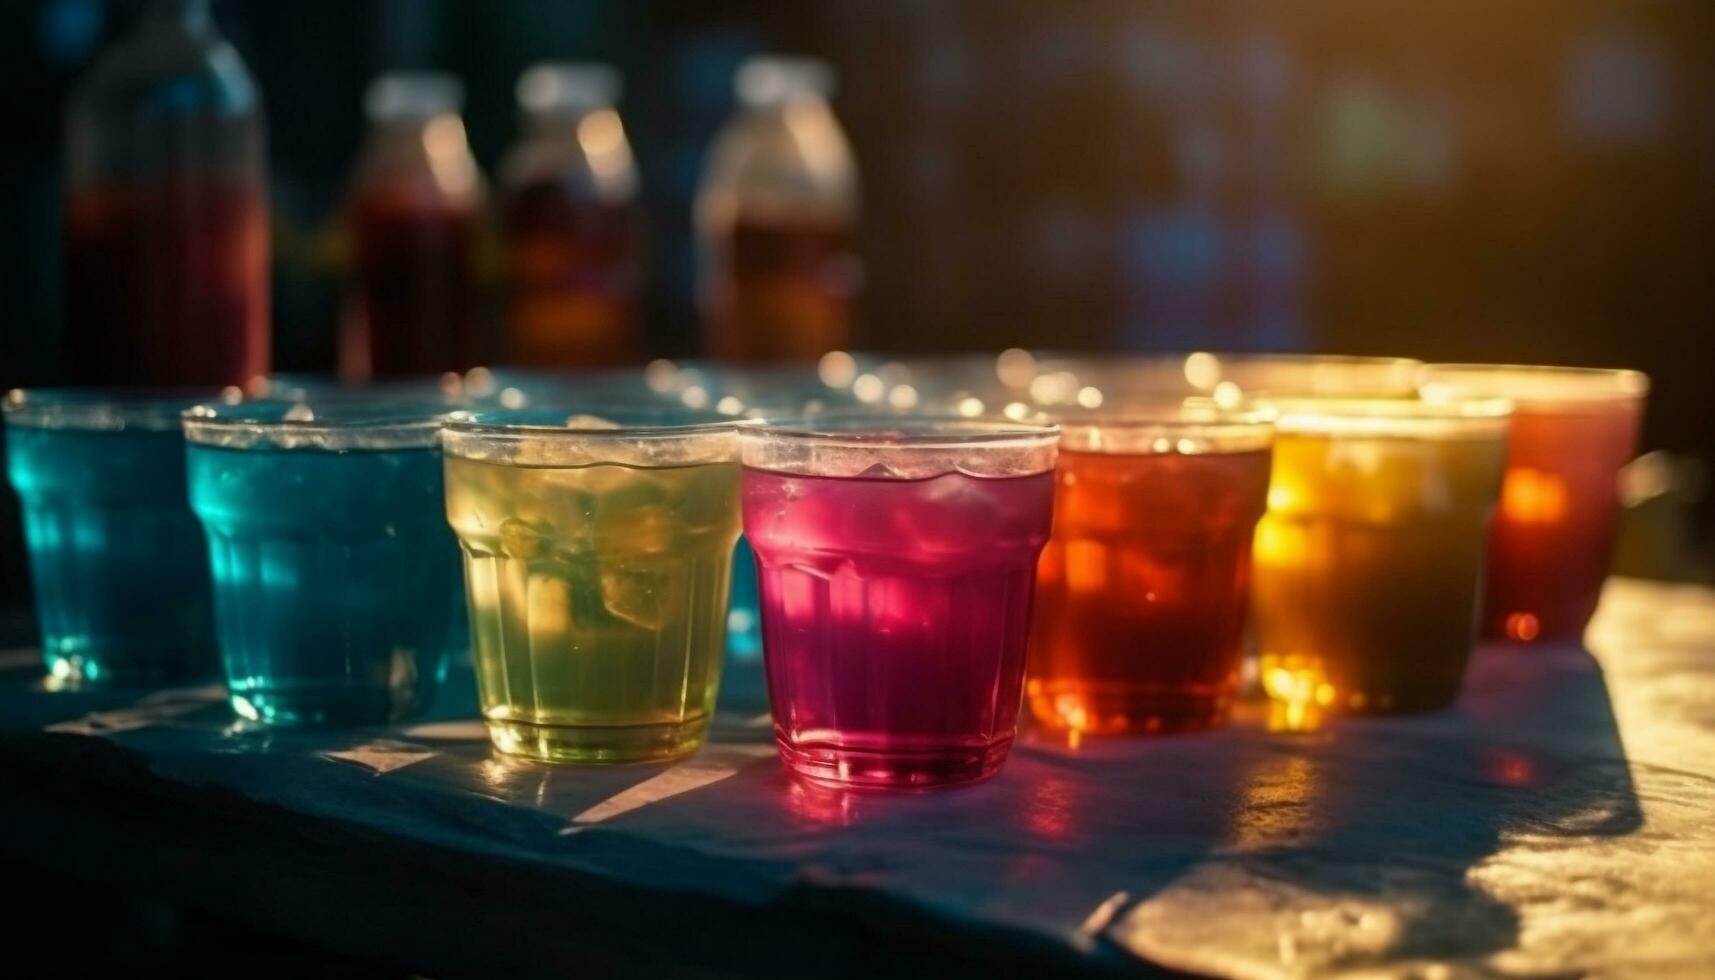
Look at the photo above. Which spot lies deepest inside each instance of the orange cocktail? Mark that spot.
(1143, 589)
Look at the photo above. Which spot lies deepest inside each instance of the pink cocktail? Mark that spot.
(897, 562)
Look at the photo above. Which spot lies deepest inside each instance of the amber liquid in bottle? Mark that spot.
(573, 275)
(785, 289)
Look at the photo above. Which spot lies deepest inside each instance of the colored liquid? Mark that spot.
(744, 681)
(1143, 591)
(116, 556)
(415, 287)
(573, 268)
(1367, 568)
(895, 617)
(598, 603)
(744, 618)
(336, 580)
(166, 284)
(784, 290)
(1553, 534)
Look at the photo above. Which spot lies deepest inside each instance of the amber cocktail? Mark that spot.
(1369, 560)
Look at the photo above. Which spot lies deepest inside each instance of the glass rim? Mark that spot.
(353, 424)
(1559, 383)
(111, 409)
(492, 423)
(1340, 414)
(1188, 411)
(1234, 378)
(1059, 359)
(865, 431)
(1309, 357)
(1196, 425)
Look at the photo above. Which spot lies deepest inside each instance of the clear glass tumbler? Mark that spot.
(336, 579)
(116, 556)
(897, 562)
(1369, 561)
(1144, 589)
(598, 550)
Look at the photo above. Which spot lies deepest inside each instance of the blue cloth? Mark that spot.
(1453, 838)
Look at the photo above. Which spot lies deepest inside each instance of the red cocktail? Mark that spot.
(1553, 534)
(897, 562)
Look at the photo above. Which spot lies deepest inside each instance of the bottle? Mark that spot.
(166, 211)
(414, 217)
(571, 224)
(776, 215)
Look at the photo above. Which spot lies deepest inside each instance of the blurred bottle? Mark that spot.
(776, 216)
(569, 192)
(166, 213)
(414, 224)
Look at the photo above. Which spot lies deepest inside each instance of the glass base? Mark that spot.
(1522, 637)
(325, 707)
(1403, 703)
(598, 744)
(72, 671)
(1382, 689)
(1139, 711)
(878, 769)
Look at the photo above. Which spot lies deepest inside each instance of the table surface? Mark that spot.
(1559, 821)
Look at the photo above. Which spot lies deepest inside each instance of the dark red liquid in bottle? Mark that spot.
(166, 284)
(573, 274)
(415, 286)
(785, 290)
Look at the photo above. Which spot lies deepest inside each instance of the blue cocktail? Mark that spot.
(120, 573)
(744, 618)
(338, 595)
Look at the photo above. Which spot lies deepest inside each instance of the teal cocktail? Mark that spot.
(336, 579)
(116, 557)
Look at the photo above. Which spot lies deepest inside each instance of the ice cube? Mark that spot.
(642, 597)
(880, 471)
(649, 530)
(945, 514)
(550, 613)
(521, 540)
(601, 480)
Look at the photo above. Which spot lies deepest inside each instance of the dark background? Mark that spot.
(1528, 181)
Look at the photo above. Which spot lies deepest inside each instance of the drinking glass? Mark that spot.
(121, 578)
(897, 560)
(597, 551)
(336, 579)
(1553, 537)
(1369, 559)
(1143, 591)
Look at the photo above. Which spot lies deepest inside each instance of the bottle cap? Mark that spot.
(404, 95)
(549, 87)
(769, 79)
